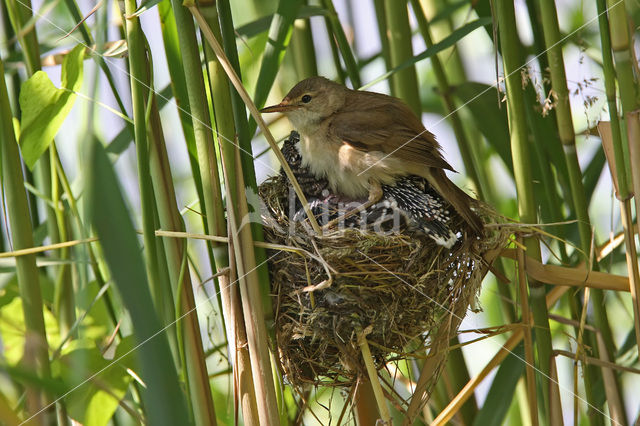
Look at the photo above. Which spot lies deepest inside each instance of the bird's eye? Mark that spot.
(306, 99)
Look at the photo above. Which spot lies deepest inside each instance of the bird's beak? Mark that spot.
(281, 107)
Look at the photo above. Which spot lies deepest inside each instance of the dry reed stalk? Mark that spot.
(606, 135)
(257, 338)
(575, 277)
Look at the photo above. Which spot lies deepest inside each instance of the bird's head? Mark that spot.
(310, 102)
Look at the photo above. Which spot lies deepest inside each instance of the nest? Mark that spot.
(404, 291)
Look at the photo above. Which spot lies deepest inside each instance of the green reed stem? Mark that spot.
(21, 234)
(303, 50)
(526, 201)
(623, 56)
(552, 37)
(404, 83)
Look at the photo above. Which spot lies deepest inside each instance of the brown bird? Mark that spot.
(361, 140)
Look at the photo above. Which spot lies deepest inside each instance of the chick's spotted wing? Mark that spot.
(389, 126)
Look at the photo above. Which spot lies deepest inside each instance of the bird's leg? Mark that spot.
(375, 195)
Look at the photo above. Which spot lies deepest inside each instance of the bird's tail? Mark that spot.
(457, 197)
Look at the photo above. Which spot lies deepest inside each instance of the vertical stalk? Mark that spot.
(341, 75)
(170, 219)
(553, 45)
(303, 50)
(64, 304)
(621, 47)
(528, 341)
(244, 140)
(364, 401)
(139, 94)
(21, 232)
(20, 14)
(381, 402)
(179, 86)
(202, 129)
(197, 377)
(563, 116)
(526, 202)
(404, 83)
(230, 294)
(381, 18)
(242, 242)
(9, 47)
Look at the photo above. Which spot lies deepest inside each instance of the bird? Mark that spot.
(411, 203)
(359, 141)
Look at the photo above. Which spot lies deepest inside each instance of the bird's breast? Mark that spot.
(348, 170)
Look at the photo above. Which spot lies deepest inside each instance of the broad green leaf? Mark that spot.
(114, 228)
(93, 400)
(45, 107)
(502, 389)
(489, 116)
(12, 330)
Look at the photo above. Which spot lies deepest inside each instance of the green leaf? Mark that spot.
(121, 248)
(502, 389)
(483, 102)
(95, 401)
(45, 107)
(13, 329)
(447, 42)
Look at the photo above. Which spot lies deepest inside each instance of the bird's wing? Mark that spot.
(387, 125)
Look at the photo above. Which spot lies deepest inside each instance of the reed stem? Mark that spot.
(404, 83)
(526, 201)
(21, 232)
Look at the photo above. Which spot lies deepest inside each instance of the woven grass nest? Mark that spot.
(401, 289)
